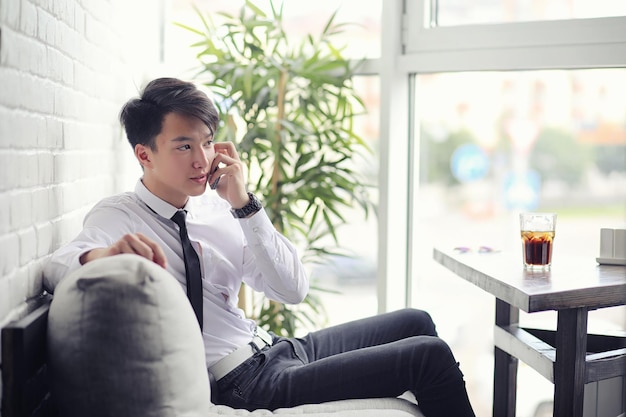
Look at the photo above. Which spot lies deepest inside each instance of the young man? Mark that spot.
(171, 128)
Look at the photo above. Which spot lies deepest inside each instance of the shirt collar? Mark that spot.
(159, 206)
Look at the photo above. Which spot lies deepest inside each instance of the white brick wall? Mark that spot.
(66, 68)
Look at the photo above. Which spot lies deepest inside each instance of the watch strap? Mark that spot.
(251, 207)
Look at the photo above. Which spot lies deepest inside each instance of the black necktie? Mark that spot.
(192, 266)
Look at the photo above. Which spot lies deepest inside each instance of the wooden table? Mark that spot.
(569, 357)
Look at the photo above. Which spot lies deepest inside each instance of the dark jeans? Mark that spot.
(382, 356)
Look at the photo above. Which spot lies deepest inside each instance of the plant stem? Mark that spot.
(276, 175)
(280, 102)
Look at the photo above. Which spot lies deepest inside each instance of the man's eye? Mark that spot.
(184, 147)
(208, 143)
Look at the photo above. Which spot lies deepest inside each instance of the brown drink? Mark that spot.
(537, 230)
(537, 247)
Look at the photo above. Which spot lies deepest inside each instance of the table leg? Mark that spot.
(505, 366)
(569, 369)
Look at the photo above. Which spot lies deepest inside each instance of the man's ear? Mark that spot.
(142, 153)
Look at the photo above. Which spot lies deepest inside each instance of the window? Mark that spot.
(572, 43)
(459, 12)
(541, 81)
(361, 37)
(492, 144)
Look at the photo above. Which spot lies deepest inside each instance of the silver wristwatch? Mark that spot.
(253, 206)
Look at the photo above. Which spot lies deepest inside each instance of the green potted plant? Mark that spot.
(290, 109)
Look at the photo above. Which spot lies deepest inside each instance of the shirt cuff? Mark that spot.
(257, 228)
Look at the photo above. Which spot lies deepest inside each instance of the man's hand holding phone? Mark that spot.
(227, 176)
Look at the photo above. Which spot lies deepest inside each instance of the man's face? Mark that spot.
(179, 165)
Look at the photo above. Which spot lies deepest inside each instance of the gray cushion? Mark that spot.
(373, 407)
(364, 407)
(123, 341)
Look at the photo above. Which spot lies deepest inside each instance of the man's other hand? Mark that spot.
(134, 243)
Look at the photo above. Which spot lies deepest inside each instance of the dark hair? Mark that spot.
(142, 117)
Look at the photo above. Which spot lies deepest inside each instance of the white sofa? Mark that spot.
(122, 341)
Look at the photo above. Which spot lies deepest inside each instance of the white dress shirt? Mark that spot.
(231, 251)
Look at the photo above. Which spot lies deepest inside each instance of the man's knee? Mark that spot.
(421, 320)
(436, 347)
(436, 361)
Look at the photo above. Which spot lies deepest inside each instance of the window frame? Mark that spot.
(557, 44)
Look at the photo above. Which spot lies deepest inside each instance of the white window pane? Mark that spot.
(360, 37)
(462, 12)
(353, 280)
